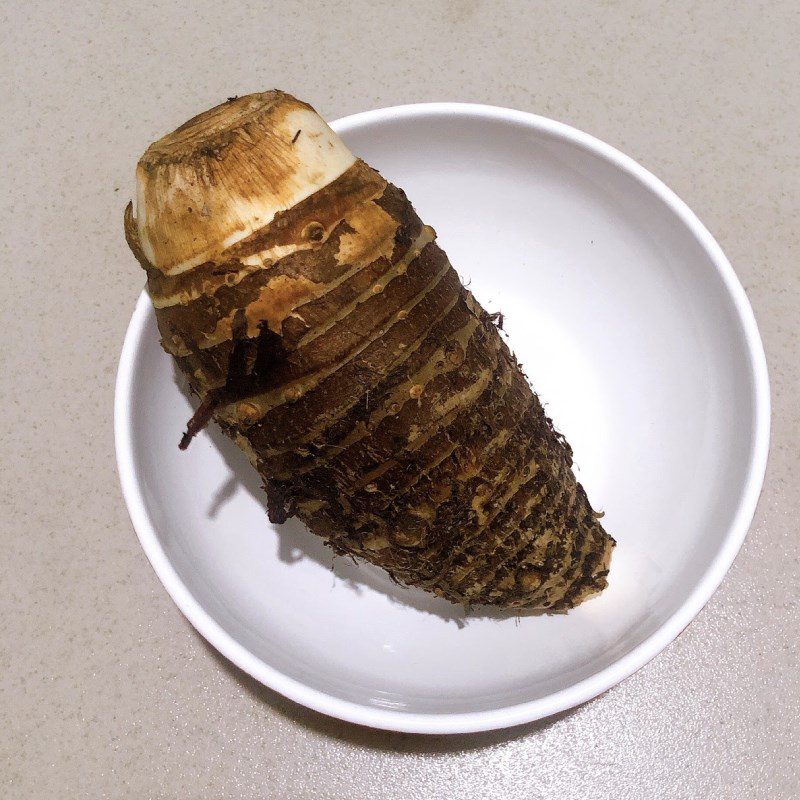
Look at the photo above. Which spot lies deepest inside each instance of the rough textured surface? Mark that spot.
(105, 689)
(331, 339)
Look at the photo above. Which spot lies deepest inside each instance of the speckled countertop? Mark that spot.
(106, 691)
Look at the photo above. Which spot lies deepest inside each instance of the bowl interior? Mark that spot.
(630, 336)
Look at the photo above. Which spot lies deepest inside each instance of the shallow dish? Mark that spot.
(638, 337)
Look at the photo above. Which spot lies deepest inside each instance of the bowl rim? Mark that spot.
(584, 690)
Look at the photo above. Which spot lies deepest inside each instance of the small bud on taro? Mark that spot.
(456, 355)
(402, 314)
(371, 488)
(529, 580)
(416, 391)
(247, 411)
(394, 408)
(314, 232)
(293, 393)
(376, 543)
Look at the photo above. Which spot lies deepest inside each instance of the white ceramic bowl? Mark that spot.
(637, 335)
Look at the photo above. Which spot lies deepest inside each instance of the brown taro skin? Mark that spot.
(324, 329)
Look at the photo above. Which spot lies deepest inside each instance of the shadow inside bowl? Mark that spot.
(296, 542)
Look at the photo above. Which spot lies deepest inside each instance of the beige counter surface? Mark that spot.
(105, 689)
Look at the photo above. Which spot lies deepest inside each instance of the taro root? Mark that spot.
(325, 331)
